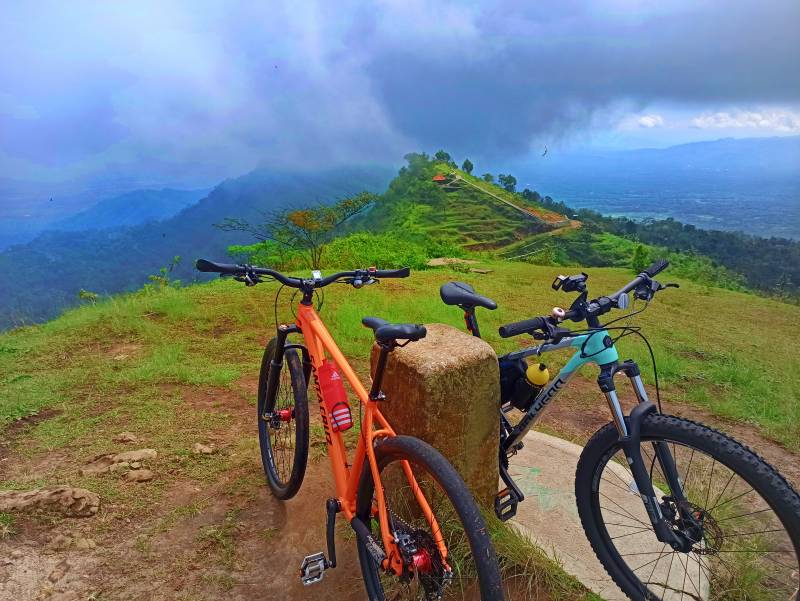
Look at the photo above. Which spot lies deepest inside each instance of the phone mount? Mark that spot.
(570, 283)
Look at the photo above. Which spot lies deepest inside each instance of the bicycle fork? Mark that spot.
(630, 439)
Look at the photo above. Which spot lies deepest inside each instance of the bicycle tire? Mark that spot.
(776, 493)
(284, 473)
(421, 455)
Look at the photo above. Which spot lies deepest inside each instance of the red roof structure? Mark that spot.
(439, 178)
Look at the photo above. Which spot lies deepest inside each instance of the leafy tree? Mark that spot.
(641, 259)
(467, 166)
(532, 196)
(488, 177)
(443, 156)
(307, 230)
(509, 182)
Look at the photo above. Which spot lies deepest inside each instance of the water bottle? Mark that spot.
(335, 396)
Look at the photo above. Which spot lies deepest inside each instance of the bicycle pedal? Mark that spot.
(505, 504)
(313, 568)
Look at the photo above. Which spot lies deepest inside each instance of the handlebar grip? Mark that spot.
(521, 327)
(211, 267)
(657, 267)
(392, 273)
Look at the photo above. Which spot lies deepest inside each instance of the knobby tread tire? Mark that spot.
(739, 458)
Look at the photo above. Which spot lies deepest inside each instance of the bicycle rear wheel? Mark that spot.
(470, 570)
(744, 524)
(283, 423)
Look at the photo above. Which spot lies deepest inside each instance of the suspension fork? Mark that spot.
(630, 440)
(276, 362)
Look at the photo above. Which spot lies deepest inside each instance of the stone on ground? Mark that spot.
(444, 389)
(74, 502)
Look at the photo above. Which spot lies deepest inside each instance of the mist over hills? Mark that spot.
(750, 184)
(43, 276)
(133, 208)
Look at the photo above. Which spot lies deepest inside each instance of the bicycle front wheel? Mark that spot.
(470, 570)
(283, 423)
(744, 524)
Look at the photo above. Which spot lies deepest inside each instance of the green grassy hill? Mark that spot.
(731, 352)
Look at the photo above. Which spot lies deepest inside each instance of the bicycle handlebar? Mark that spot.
(521, 327)
(594, 308)
(292, 282)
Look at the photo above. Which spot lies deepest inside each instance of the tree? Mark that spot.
(640, 259)
(443, 156)
(305, 230)
(488, 177)
(467, 166)
(509, 182)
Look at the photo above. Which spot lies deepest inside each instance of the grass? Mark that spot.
(528, 567)
(220, 539)
(7, 525)
(730, 352)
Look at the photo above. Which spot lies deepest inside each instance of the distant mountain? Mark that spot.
(133, 208)
(750, 184)
(42, 277)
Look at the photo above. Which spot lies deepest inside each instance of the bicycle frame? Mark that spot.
(318, 343)
(598, 347)
(591, 349)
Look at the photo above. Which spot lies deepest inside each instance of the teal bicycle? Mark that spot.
(672, 508)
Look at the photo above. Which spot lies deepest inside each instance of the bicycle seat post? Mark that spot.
(375, 393)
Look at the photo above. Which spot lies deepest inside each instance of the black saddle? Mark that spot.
(464, 295)
(390, 332)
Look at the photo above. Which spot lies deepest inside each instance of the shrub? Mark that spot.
(384, 251)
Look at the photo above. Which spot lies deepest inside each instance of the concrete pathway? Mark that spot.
(545, 471)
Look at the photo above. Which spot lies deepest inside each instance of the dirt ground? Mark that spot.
(223, 536)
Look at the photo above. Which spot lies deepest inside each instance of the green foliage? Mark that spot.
(444, 157)
(467, 166)
(90, 297)
(509, 182)
(488, 177)
(303, 231)
(267, 253)
(384, 251)
(161, 280)
(7, 525)
(730, 259)
(641, 258)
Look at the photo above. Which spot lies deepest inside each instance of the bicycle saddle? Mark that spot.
(389, 332)
(460, 293)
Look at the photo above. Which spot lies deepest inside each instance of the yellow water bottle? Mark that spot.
(537, 374)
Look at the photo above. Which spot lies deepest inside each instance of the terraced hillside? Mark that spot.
(475, 214)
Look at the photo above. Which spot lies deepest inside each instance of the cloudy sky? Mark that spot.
(187, 93)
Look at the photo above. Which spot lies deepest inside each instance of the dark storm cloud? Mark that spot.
(189, 92)
(534, 72)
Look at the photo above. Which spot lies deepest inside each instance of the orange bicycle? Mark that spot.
(419, 533)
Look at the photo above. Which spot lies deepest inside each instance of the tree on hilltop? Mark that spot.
(488, 177)
(509, 182)
(443, 156)
(467, 166)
